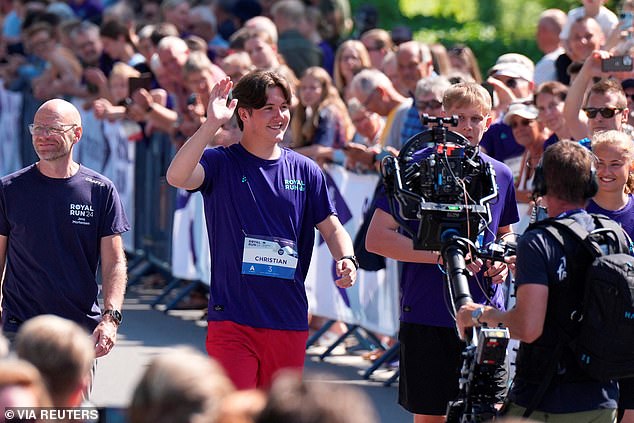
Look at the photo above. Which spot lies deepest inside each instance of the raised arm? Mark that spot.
(575, 119)
(185, 170)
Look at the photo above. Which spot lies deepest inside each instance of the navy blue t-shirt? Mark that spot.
(54, 228)
(245, 195)
(538, 261)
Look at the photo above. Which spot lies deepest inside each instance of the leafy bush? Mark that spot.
(489, 27)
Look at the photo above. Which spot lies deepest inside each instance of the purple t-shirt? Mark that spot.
(499, 142)
(424, 297)
(54, 228)
(245, 195)
(624, 216)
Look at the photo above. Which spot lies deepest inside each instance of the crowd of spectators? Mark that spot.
(358, 95)
(52, 365)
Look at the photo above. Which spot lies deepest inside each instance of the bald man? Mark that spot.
(414, 63)
(58, 222)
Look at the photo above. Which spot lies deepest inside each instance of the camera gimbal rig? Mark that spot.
(439, 189)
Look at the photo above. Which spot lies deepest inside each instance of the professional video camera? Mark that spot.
(439, 189)
(447, 191)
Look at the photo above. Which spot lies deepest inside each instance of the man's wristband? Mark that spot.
(115, 316)
(149, 108)
(475, 316)
(353, 259)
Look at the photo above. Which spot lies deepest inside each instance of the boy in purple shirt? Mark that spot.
(430, 347)
(262, 203)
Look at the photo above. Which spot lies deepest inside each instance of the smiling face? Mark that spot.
(605, 100)
(585, 37)
(268, 124)
(88, 46)
(55, 131)
(613, 166)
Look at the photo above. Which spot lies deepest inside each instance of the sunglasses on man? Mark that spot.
(606, 112)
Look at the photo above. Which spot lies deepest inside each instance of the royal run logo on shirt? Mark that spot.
(81, 214)
(294, 185)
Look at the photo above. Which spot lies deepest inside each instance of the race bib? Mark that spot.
(272, 257)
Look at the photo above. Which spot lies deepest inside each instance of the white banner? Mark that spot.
(10, 130)
(109, 148)
(373, 302)
(190, 244)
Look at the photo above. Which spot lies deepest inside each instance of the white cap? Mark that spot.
(514, 65)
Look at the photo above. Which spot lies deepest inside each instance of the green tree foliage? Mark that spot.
(489, 27)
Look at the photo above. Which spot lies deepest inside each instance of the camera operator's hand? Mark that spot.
(497, 271)
(474, 265)
(510, 261)
(464, 319)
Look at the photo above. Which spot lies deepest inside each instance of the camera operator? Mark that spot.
(430, 353)
(541, 269)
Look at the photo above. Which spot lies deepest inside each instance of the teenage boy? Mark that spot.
(262, 204)
(430, 348)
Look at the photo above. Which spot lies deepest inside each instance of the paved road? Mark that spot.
(147, 332)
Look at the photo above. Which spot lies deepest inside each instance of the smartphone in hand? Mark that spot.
(617, 64)
(143, 81)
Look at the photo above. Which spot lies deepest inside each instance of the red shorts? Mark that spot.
(252, 356)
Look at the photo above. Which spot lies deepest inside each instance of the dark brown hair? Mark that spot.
(251, 91)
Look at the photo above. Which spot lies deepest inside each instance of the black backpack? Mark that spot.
(603, 340)
(603, 345)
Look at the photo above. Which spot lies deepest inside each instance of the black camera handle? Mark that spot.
(453, 253)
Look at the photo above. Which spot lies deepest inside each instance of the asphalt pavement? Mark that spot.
(147, 332)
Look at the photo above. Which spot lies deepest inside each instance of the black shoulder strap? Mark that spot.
(618, 240)
(621, 240)
(556, 228)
